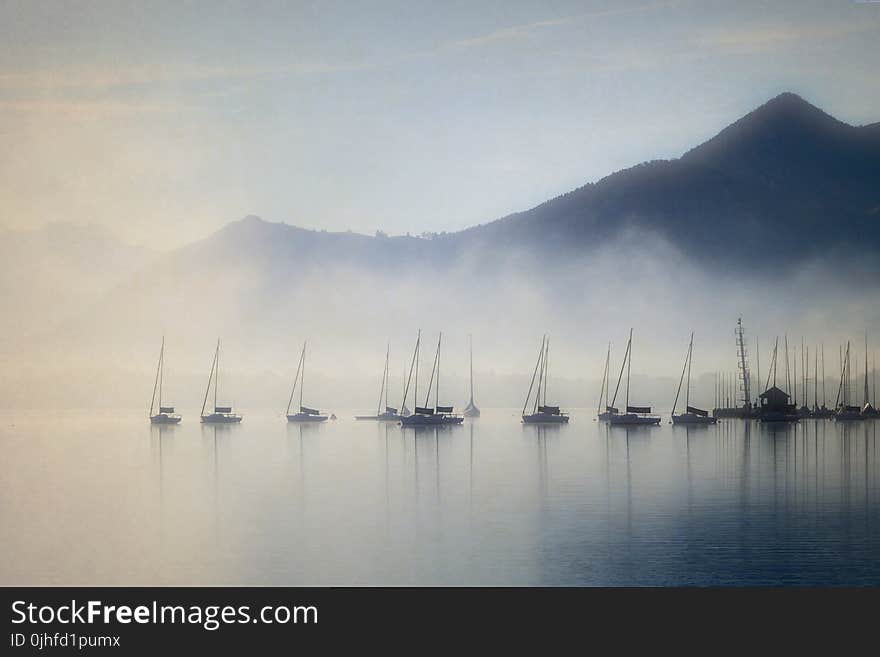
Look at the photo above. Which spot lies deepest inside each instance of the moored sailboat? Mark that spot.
(390, 413)
(471, 409)
(426, 416)
(542, 413)
(221, 414)
(166, 414)
(604, 415)
(692, 415)
(305, 413)
(635, 415)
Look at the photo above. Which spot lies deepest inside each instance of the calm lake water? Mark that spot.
(108, 499)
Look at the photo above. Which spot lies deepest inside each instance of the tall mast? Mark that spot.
(534, 375)
(156, 382)
(816, 382)
(546, 368)
(824, 395)
(387, 373)
(433, 370)
(471, 345)
(217, 375)
(437, 389)
(603, 389)
(758, 358)
(302, 380)
(628, 368)
(687, 391)
(743, 363)
(622, 365)
(408, 378)
(543, 361)
(787, 375)
(794, 367)
(867, 395)
(681, 378)
(296, 378)
(162, 372)
(210, 378)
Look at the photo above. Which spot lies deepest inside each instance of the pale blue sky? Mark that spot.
(164, 121)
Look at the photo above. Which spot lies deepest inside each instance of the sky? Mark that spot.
(165, 121)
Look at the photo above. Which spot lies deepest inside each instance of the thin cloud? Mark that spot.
(773, 37)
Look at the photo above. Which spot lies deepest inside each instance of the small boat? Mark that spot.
(635, 415)
(426, 416)
(305, 414)
(221, 414)
(166, 414)
(692, 415)
(390, 413)
(605, 415)
(542, 413)
(471, 409)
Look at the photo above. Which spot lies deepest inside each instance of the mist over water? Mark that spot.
(107, 499)
(264, 300)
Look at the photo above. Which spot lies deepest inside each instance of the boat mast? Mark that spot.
(408, 378)
(302, 381)
(384, 389)
(210, 378)
(546, 368)
(296, 378)
(628, 368)
(622, 365)
(437, 387)
(433, 370)
(816, 382)
(603, 389)
(683, 369)
(217, 376)
(534, 375)
(824, 394)
(156, 382)
(471, 344)
(758, 359)
(867, 395)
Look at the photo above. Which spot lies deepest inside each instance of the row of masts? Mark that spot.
(732, 391)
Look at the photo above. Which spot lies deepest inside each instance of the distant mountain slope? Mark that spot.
(784, 183)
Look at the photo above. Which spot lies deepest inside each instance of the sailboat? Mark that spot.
(166, 414)
(635, 415)
(425, 416)
(305, 413)
(692, 415)
(542, 413)
(221, 414)
(603, 391)
(390, 413)
(471, 409)
(845, 411)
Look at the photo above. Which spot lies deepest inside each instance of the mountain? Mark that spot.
(783, 184)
